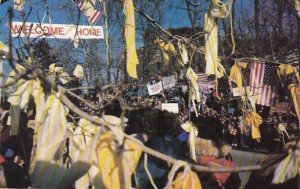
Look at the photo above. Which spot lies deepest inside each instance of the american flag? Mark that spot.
(263, 81)
(92, 9)
(202, 77)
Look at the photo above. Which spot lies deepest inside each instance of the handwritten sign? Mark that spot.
(155, 89)
(60, 31)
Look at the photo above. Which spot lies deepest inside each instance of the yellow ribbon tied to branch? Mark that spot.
(295, 92)
(117, 162)
(186, 179)
(289, 167)
(193, 77)
(81, 139)
(3, 47)
(193, 133)
(217, 10)
(287, 69)
(166, 49)
(253, 119)
(132, 59)
(236, 76)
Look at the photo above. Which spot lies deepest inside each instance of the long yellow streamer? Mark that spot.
(295, 92)
(132, 59)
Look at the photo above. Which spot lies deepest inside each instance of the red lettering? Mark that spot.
(98, 32)
(61, 31)
(46, 30)
(38, 30)
(85, 31)
(92, 31)
(79, 31)
(16, 28)
(32, 30)
(54, 31)
(25, 29)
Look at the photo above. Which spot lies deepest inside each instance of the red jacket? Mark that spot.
(214, 162)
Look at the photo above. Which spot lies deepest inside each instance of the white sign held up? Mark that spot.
(171, 107)
(155, 89)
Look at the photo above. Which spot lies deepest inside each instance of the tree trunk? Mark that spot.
(298, 39)
(256, 21)
(233, 13)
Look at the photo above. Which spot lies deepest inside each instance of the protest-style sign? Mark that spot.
(169, 82)
(205, 87)
(155, 89)
(240, 92)
(171, 107)
(59, 31)
(281, 107)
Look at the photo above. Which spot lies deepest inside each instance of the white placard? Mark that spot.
(171, 107)
(169, 82)
(60, 31)
(155, 89)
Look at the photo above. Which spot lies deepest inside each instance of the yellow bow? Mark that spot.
(253, 119)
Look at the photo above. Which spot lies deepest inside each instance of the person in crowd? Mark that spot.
(2, 176)
(15, 174)
(281, 128)
(233, 131)
(158, 130)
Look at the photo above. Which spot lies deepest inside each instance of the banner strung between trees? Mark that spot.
(60, 31)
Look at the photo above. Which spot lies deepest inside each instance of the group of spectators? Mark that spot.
(217, 126)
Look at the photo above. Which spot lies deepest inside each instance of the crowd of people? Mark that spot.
(219, 127)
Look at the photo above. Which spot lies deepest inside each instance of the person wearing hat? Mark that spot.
(14, 172)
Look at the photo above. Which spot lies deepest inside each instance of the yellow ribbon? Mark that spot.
(132, 59)
(285, 70)
(253, 119)
(193, 133)
(295, 92)
(116, 163)
(297, 6)
(3, 47)
(186, 179)
(236, 75)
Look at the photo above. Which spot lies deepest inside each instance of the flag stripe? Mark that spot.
(202, 77)
(91, 9)
(95, 17)
(260, 77)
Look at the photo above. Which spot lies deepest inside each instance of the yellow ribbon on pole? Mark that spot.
(132, 59)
